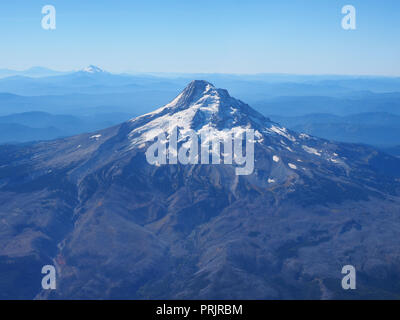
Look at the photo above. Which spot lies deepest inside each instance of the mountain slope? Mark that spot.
(116, 226)
(31, 126)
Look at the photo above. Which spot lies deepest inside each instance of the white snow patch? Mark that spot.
(93, 69)
(291, 165)
(275, 158)
(258, 136)
(311, 150)
(283, 132)
(271, 180)
(96, 136)
(304, 136)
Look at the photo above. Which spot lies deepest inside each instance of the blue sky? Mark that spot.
(211, 36)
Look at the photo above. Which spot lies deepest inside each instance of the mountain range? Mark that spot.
(117, 227)
(341, 108)
(36, 125)
(375, 128)
(31, 72)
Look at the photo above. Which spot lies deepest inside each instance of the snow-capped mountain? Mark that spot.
(201, 107)
(116, 226)
(93, 69)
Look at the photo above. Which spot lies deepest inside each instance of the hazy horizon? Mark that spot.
(221, 37)
(166, 73)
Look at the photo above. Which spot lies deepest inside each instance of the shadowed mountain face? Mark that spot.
(116, 226)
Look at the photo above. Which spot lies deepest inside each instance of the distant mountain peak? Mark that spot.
(93, 69)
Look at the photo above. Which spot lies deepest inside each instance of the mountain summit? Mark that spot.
(211, 104)
(116, 226)
(93, 69)
(200, 106)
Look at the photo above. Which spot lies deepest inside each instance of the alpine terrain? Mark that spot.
(117, 227)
